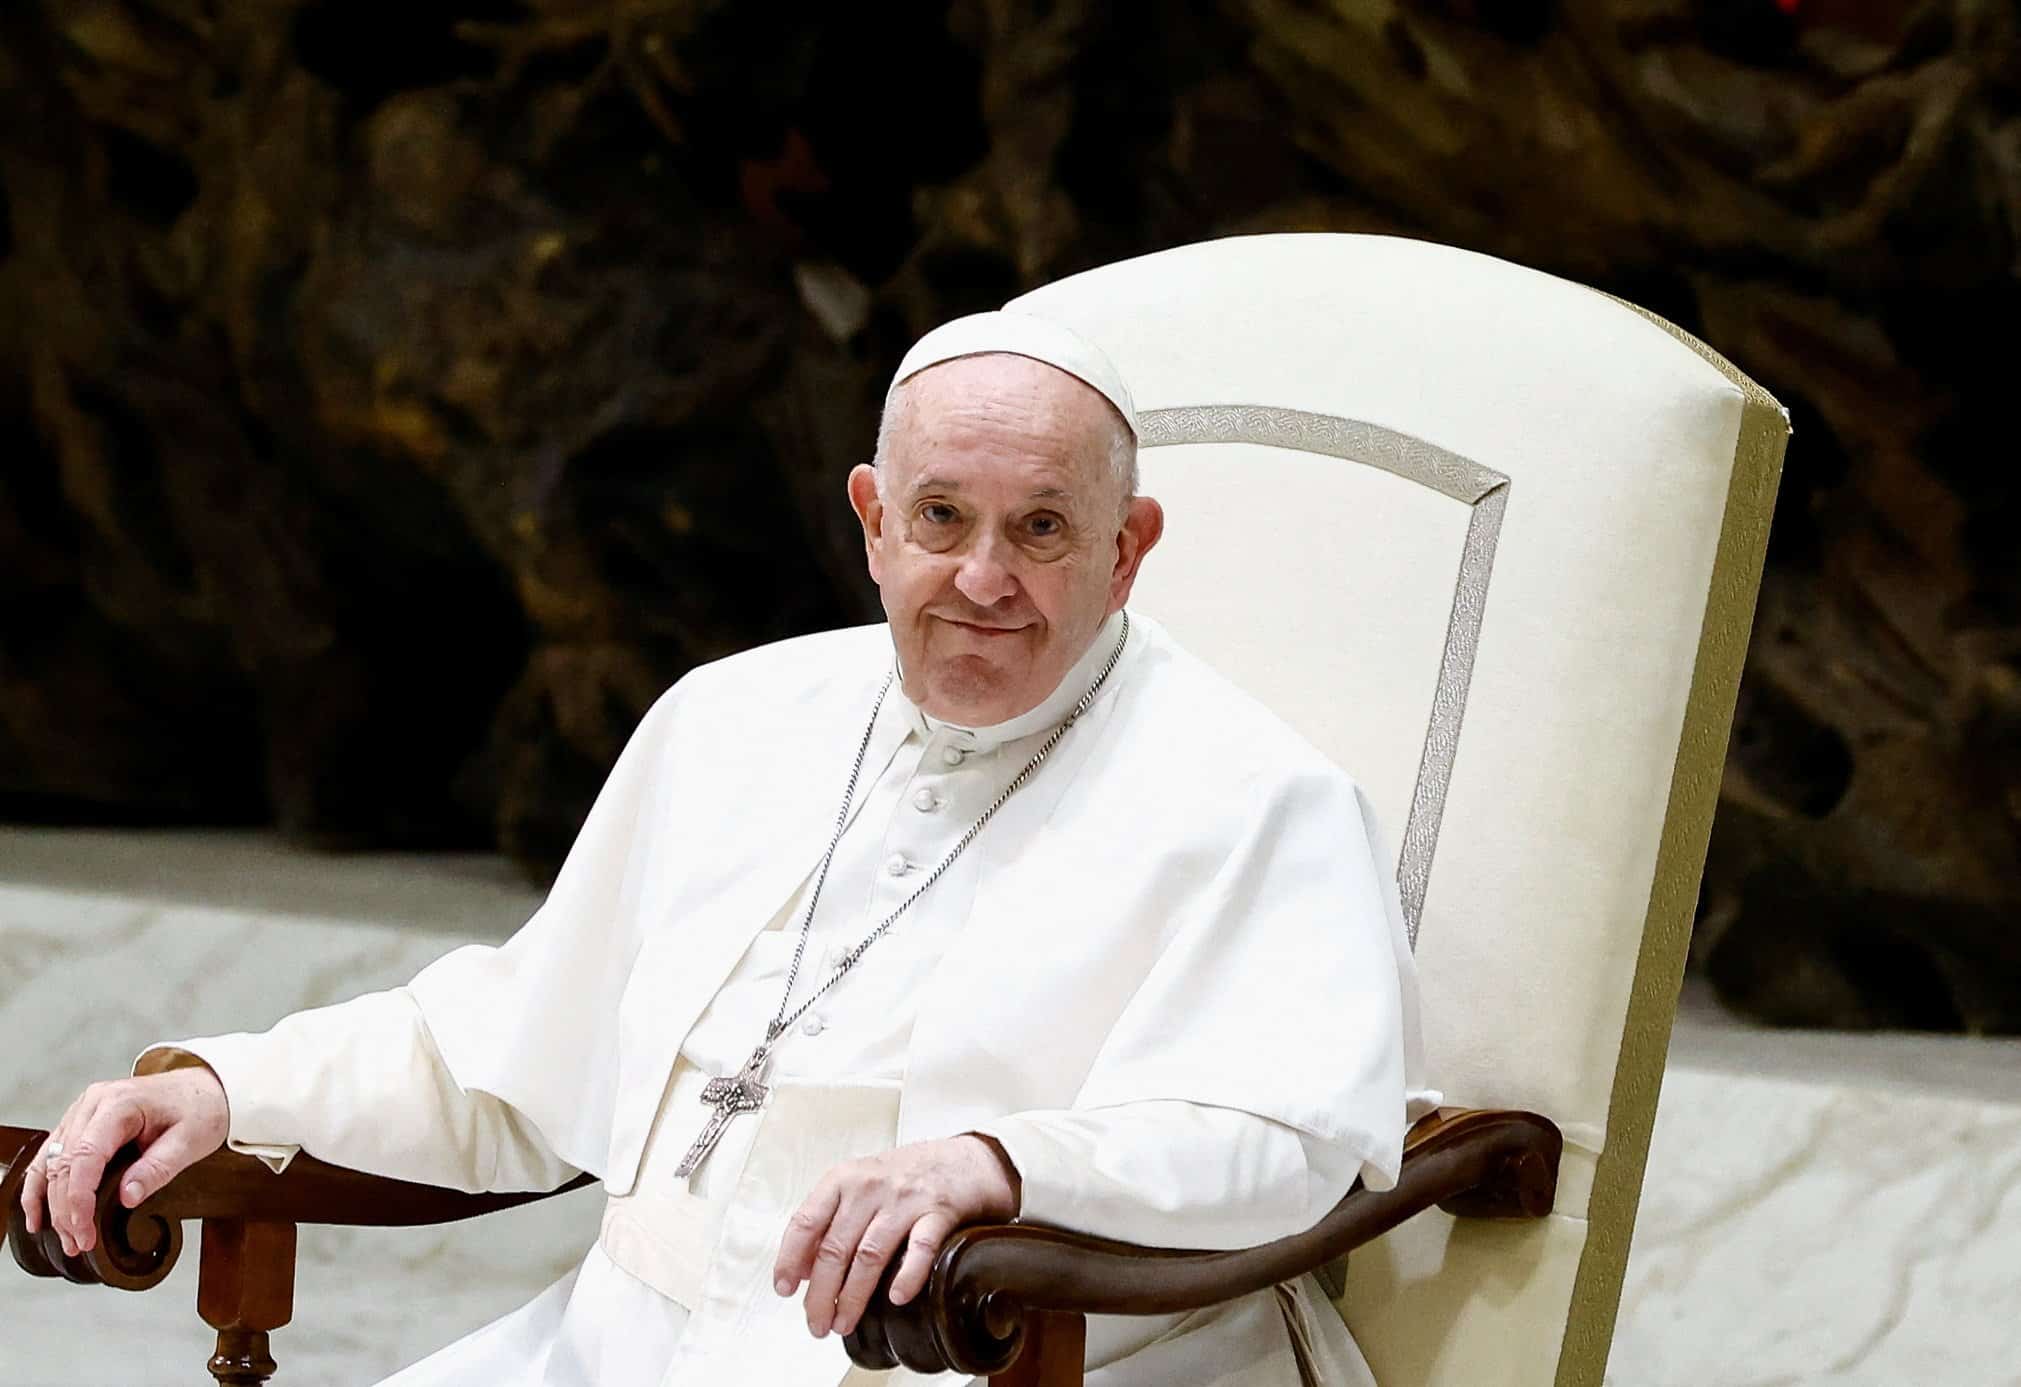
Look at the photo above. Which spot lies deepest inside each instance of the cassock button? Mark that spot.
(811, 1026)
(897, 865)
(951, 755)
(925, 802)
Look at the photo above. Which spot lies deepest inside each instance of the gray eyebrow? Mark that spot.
(1047, 493)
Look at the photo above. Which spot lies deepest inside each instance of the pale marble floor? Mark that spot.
(1819, 1209)
(1828, 1209)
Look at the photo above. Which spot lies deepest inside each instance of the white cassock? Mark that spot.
(1170, 977)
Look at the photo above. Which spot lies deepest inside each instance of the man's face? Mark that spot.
(1000, 540)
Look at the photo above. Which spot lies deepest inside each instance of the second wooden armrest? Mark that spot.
(1474, 1163)
(136, 1248)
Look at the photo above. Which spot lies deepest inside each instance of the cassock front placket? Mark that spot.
(937, 780)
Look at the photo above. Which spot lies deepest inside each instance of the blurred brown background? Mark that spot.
(395, 396)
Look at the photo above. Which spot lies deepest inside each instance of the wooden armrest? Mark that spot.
(988, 1278)
(137, 1248)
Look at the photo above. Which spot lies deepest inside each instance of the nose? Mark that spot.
(984, 577)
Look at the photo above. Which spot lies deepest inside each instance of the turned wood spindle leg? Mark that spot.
(242, 1359)
(245, 1287)
(1056, 1347)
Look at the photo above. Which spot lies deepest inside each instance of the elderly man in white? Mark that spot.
(1005, 909)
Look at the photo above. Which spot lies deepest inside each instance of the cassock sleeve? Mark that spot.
(1169, 1173)
(493, 1068)
(362, 1085)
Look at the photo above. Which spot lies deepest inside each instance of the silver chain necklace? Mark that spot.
(732, 1097)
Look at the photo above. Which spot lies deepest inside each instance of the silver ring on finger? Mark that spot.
(51, 1149)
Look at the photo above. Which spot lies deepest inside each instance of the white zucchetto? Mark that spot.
(1020, 334)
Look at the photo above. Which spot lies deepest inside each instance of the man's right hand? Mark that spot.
(178, 1117)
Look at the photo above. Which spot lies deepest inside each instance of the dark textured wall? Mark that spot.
(395, 397)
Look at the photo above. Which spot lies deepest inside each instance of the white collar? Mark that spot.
(1049, 712)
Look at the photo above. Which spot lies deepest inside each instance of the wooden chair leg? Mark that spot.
(245, 1287)
(1056, 1347)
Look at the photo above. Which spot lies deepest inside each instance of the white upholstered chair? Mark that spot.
(1491, 540)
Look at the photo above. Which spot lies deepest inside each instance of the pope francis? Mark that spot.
(1007, 908)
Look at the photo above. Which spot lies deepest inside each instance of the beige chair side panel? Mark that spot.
(1448, 1303)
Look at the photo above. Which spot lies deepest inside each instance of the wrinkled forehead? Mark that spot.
(1002, 415)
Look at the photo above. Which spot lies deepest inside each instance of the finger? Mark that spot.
(832, 1259)
(61, 1169)
(881, 1240)
(59, 1201)
(111, 1125)
(33, 1183)
(920, 1250)
(803, 1235)
(56, 1168)
(171, 1153)
(53, 1174)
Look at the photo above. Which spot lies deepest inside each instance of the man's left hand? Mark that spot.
(864, 1212)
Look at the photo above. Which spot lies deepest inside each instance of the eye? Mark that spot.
(936, 525)
(1044, 532)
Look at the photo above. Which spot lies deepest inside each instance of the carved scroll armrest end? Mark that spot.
(135, 1249)
(1517, 1177)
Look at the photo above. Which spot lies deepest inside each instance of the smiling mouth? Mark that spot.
(983, 630)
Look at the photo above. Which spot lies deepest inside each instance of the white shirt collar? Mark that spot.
(1047, 714)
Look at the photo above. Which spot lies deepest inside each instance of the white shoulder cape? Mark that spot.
(1186, 902)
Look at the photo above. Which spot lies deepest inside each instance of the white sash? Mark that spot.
(709, 1245)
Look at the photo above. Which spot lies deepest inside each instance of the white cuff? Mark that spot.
(244, 1072)
(1169, 1173)
(1050, 1169)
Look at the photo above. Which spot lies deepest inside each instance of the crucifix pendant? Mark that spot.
(730, 1098)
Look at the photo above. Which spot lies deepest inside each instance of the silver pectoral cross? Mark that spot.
(730, 1098)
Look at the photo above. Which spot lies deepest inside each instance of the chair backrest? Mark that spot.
(1491, 540)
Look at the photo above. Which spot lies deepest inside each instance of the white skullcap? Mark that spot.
(1020, 334)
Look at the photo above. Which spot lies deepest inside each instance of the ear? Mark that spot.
(1143, 524)
(869, 508)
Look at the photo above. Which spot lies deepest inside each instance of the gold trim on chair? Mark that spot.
(1482, 489)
